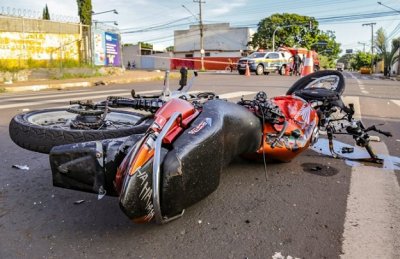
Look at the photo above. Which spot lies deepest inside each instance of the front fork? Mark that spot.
(362, 140)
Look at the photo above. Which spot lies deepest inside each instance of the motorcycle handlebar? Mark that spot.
(150, 105)
(138, 103)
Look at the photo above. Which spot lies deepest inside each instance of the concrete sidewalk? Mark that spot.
(128, 76)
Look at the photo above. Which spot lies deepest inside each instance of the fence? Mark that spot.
(27, 13)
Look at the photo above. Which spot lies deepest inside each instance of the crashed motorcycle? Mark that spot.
(177, 160)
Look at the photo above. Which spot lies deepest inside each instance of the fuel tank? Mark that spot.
(301, 131)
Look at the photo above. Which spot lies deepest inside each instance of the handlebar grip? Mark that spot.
(150, 105)
(385, 133)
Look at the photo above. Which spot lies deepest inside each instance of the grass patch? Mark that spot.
(14, 65)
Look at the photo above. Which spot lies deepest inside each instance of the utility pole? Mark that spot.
(201, 33)
(372, 42)
(363, 43)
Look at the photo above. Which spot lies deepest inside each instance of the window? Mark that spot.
(207, 54)
(273, 55)
(188, 55)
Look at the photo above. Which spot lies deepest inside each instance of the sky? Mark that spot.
(154, 21)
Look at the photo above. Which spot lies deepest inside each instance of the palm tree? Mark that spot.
(394, 54)
(389, 57)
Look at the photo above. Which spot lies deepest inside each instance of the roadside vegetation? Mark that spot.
(294, 30)
(387, 52)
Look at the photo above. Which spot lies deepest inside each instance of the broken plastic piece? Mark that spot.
(22, 167)
(102, 193)
(375, 138)
(347, 150)
(79, 201)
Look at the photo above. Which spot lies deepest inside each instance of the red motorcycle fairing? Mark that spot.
(301, 129)
(134, 176)
(189, 168)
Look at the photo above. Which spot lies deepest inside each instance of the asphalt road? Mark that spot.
(297, 213)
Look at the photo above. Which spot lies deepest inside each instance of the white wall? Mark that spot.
(162, 60)
(131, 53)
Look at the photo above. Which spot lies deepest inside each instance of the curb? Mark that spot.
(91, 83)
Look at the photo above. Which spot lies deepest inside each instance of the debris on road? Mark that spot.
(101, 194)
(347, 150)
(278, 255)
(375, 138)
(316, 168)
(21, 167)
(100, 83)
(79, 202)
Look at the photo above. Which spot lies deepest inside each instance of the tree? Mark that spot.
(85, 11)
(395, 49)
(170, 48)
(145, 45)
(361, 59)
(346, 59)
(46, 14)
(294, 30)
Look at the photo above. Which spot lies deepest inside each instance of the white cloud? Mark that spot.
(226, 7)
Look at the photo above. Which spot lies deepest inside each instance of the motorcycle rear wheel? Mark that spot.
(41, 130)
(329, 79)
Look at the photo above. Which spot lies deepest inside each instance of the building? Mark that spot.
(222, 44)
(145, 58)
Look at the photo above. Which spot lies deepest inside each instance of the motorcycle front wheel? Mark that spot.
(41, 130)
(328, 79)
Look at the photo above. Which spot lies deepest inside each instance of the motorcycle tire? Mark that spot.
(41, 130)
(316, 77)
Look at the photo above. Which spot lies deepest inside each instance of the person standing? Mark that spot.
(296, 63)
(230, 64)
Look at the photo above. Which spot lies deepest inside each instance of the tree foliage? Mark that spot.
(145, 45)
(388, 57)
(361, 59)
(85, 11)
(46, 14)
(294, 30)
(346, 59)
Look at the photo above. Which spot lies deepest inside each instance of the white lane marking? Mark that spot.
(364, 92)
(94, 97)
(29, 95)
(371, 228)
(37, 103)
(396, 102)
(235, 94)
(59, 94)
